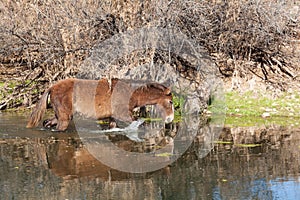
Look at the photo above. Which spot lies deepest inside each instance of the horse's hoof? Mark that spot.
(46, 123)
(112, 124)
(55, 130)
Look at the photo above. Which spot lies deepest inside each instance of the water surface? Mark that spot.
(243, 163)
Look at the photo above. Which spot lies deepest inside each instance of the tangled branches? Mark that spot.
(255, 32)
(43, 41)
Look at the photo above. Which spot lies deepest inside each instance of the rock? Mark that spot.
(266, 114)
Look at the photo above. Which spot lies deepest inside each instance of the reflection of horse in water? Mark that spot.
(72, 161)
(69, 162)
(100, 99)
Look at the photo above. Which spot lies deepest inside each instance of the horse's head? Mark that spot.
(161, 96)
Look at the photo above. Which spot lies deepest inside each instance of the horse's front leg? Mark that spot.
(112, 123)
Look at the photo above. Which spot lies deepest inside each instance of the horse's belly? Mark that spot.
(90, 108)
(91, 100)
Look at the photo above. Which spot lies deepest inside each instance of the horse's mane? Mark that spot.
(156, 85)
(141, 84)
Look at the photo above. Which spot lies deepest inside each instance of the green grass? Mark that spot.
(248, 104)
(249, 109)
(9, 87)
(1, 91)
(178, 102)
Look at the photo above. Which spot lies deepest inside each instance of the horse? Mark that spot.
(100, 99)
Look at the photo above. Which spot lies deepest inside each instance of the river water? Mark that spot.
(240, 163)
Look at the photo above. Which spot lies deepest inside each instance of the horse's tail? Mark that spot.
(39, 110)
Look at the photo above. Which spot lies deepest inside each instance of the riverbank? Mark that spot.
(251, 108)
(248, 109)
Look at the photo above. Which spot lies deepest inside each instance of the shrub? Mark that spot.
(43, 41)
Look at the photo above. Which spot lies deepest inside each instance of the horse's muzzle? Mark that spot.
(169, 119)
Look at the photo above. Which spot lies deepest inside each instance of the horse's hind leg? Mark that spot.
(48, 123)
(63, 117)
(63, 121)
(62, 125)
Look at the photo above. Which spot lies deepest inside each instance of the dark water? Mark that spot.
(39, 164)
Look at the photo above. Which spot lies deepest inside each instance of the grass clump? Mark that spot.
(250, 104)
(249, 109)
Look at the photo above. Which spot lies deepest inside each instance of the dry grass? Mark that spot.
(42, 41)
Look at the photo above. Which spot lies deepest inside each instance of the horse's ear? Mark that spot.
(167, 88)
(167, 92)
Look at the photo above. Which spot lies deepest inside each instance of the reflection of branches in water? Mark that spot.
(44, 160)
(277, 155)
(284, 142)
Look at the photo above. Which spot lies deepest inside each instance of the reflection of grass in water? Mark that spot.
(248, 145)
(177, 118)
(237, 145)
(223, 142)
(164, 154)
(148, 119)
(248, 121)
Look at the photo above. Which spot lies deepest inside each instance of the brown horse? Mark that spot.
(100, 99)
